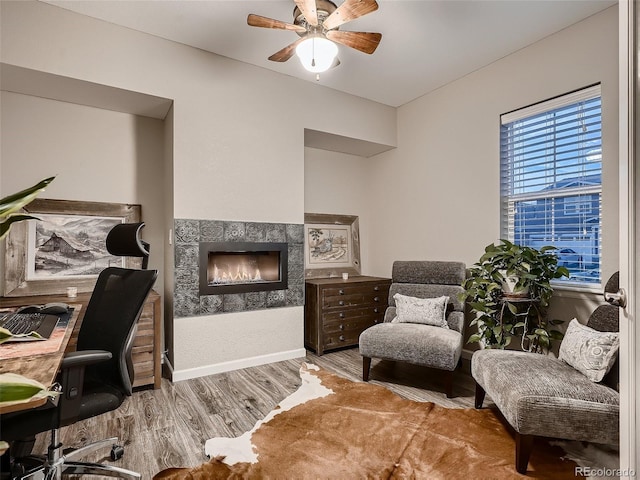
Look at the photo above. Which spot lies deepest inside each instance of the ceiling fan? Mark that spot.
(317, 22)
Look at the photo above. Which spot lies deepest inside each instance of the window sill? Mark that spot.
(581, 292)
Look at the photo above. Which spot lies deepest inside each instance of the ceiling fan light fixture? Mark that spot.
(317, 54)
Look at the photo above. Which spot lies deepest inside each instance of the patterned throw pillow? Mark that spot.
(429, 311)
(589, 351)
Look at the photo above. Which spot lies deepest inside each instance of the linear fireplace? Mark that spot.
(240, 267)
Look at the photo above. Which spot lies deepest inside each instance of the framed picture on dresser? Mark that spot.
(331, 245)
(65, 247)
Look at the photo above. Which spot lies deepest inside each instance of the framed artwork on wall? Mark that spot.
(331, 245)
(65, 247)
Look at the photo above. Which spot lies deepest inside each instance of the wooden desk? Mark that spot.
(146, 354)
(42, 367)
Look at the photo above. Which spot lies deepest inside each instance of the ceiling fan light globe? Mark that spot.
(317, 54)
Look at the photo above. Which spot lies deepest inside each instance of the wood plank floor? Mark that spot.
(169, 426)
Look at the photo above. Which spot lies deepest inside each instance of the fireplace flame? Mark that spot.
(243, 273)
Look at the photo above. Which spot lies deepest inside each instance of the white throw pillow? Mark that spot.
(589, 351)
(428, 311)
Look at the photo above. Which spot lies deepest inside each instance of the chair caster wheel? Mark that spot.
(117, 452)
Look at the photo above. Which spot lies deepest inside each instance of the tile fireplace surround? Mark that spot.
(188, 235)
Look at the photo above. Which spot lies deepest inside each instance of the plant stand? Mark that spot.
(523, 306)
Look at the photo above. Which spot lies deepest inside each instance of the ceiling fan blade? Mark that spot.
(286, 53)
(349, 10)
(308, 9)
(366, 42)
(264, 22)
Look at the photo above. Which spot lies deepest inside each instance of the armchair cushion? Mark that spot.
(427, 311)
(415, 343)
(542, 395)
(589, 351)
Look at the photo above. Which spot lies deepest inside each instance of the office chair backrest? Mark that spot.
(110, 322)
(429, 279)
(124, 240)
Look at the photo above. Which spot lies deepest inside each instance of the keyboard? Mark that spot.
(19, 323)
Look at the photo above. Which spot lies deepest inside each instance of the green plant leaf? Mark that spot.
(6, 335)
(15, 202)
(13, 218)
(556, 335)
(475, 338)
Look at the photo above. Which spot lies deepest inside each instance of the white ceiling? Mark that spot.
(425, 44)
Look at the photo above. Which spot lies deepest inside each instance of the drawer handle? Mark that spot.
(376, 288)
(341, 338)
(341, 327)
(341, 315)
(375, 310)
(376, 299)
(341, 292)
(341, 302)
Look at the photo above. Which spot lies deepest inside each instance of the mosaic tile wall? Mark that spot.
(189, 233)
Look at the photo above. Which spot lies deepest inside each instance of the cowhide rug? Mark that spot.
(333, 428)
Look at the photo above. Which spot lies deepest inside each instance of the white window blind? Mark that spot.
(551, 180)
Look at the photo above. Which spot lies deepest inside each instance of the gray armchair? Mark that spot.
(540, 395)
(431, 346)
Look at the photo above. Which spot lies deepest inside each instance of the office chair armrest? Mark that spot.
(84, 358)
(72, 380)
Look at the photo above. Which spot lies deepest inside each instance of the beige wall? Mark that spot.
(237, 147)
(437, 195)
(338, 183)
(95, 154)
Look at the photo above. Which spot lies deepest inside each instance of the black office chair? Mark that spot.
(95, 379)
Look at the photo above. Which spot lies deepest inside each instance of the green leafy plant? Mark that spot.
(15, 388)
(6, 335)
(500, 315)
(11, 205)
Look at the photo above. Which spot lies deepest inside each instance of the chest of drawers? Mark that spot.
(337, 311)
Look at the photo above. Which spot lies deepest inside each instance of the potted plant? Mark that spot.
(16, 388)
(10, 206)
(509, 290)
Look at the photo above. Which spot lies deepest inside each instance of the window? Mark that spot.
(551, 180)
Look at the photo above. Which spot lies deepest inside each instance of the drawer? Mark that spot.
(142, 340)
(350, 313)
(345, 325)
(344, 339)
(364, 289)
(351, 299)
(347, 331)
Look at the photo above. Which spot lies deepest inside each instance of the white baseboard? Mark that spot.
(186, 374)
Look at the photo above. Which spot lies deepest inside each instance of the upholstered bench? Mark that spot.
(540, 395)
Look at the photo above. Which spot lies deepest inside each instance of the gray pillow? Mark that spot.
(428, 311)
(589, 351)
